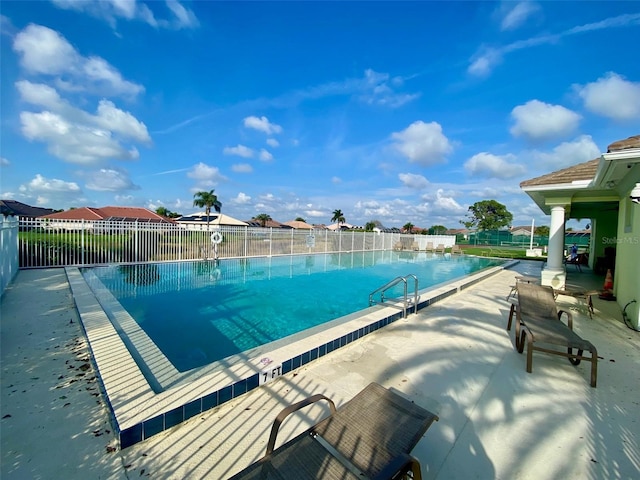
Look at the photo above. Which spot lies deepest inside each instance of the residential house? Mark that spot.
(198, 221)
(298, 225)
(22, 210)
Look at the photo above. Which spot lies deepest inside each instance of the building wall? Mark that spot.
(627, 242)
(603, 234)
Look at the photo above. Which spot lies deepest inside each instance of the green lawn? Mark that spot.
(500, 252)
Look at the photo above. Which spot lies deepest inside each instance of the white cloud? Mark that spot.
(239, 150)
(566, 154)
(377, 90)
(109, 180)
(73, 143)
(536, 120)
(484, 62)
(40, 184)
(412, 180)
(184, 17)
(73, 134)
(423, 143)
(45, 191)
(336, 180)
(119, 121)
(516, 14)
(46, 52)
(493, 166)
(262, 124)
(242, 199)
(272, 142)
(4, 162)
(612, 96)
(486, 58)
(205, 176)
(242, 168)
(112, 10)
(446, 205)
(374, 209)
(265, 156)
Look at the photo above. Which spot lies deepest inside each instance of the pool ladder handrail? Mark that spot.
(393, 283)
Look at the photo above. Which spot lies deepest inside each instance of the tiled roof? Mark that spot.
(582, 171)
(299, 225)
(19, 209)
(631, 142)
(129, 214)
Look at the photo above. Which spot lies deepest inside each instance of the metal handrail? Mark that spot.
(393, 283)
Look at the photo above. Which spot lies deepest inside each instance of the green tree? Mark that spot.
(263, 218)
(437, 230)
(369, 226)
(163, 211)
(488, 215)
(542, 230)
(338, 217)
(300, 219)
(207, 200)
(408, 227)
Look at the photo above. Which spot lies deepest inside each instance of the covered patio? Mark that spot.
(606, 192)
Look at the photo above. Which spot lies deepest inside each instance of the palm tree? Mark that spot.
(263, 218)
(207, 200)
(408, 227)
(369, 226)
(338, 217)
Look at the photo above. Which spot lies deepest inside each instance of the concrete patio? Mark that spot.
(455, 358)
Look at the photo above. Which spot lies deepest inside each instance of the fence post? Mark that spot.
(9, 249)
(136, 238)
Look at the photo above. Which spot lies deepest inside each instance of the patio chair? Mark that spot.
(370, 436)
(455, 249)
(415, 246)
(440, 248)
(429, 247)
(538, 321)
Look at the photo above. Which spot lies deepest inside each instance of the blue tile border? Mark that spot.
(162, 422)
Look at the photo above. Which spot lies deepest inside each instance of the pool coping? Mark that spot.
(138, 412)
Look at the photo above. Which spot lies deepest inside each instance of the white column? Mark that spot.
(554, 273)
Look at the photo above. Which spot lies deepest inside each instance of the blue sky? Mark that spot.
(397, 112)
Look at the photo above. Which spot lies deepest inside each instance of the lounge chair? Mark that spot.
(429, 247)
(440, 248)
(415, 246)
(455, 249)
(370, 436)
(538, 321)
(398, 246)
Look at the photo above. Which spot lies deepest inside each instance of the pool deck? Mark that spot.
(454, 357)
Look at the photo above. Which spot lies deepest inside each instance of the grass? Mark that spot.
(500, 252)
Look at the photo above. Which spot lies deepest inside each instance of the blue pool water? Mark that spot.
(201, 312)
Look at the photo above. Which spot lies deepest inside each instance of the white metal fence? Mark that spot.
(9, 249)
(79, 242)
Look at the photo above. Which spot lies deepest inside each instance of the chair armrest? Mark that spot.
(569, 318)
(403, 463)
(289, 410)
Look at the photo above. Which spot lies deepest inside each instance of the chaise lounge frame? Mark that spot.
(371, 436)
(538, 321)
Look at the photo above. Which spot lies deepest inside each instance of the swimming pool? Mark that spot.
(201, 312)
(147, 394)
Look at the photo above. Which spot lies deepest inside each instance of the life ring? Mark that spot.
(216, 238)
